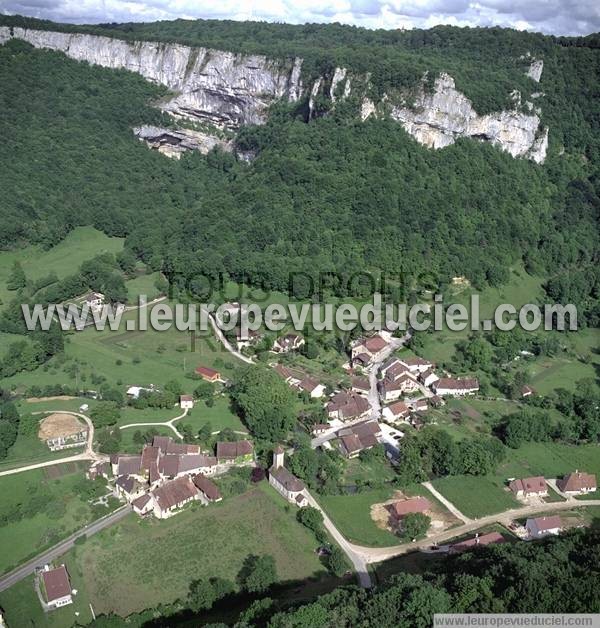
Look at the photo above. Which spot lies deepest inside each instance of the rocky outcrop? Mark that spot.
(175, 142)
(437, 119)
(535, 70)
(222, 88)
(228, 90)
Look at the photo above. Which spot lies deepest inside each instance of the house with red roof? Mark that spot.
(577, 483)
(208, 374)
(540, 527)
(528, 487)
(409, 506)
(56, 586)
(479, 540)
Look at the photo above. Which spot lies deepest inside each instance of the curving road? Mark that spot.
(88, 454)
(168, 424)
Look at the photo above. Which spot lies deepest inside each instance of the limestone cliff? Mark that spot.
(228, 90)
(222, 88)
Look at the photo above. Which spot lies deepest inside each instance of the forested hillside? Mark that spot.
(334, 194)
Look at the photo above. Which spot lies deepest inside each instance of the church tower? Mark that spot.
(278, 456)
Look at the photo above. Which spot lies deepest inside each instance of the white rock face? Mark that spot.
(535, 70)
(223, 88)
(175, 142)
(439, 118)
(338, 76)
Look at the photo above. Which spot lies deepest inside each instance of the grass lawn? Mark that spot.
(352, 515)
(64, 259)
(22, 607)
(25, 538)
(220, 416)
(372, 470)
(142, 285)
(476, 496)
(137, 564)
(550, 460)
(129, 358)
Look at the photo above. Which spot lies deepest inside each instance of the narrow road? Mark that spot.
(356, 558)
(221, 338)
(88, 454)
(373, 396)
(12, 577)
(449, 505)
(130, 308)
(169, 424)
(377, 554)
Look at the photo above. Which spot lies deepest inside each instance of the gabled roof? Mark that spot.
(129, 465)
(408, 506)
(545, 523)
(175, 492)
(577, 481)
(477, 541)
(287, 479)
(206, 371)
(399, 408)
(127, 483)
(209, 488)
(150, 455)
(56, 583)
(449, 383)
(230, 451)
(141, 501)
(529, 485)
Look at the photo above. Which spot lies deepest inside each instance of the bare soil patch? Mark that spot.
(59, 424)
(57, 398)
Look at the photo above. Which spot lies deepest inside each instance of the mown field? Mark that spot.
(478, 496)
(41, 528)
(139, 564)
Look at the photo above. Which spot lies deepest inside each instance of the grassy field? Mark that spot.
(22, 607)
(476, 496)
(80, 245)
(138, 564)
(352, 515)
(24, 538)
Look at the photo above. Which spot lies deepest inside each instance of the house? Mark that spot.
(455, 387)
(393, 389)
(479, 540)
(362, 359)
(420, 405)
(390, 363)
(237, 451)
(285, 482)
(436, 401)
(358, 437)
(94, 300)
(168, 446)
(372, 347)
(320, 428)
(143, 504)
(134, 392)
(428, 377)
(56, 586)
(312, 386)
(208, 374)
(527, 487)
(409, 506)
(289, 342)
(540, 527)
(360, 385)
(578, 483)
(128, 488)
(173, 495)
(175, 465)
(208, 489)
(127, 465)
(62, 431)
(397, 411)
(246, 338)
(99, 470)
(186, 402)
(527, 391)
(417, 365)
(347, 406)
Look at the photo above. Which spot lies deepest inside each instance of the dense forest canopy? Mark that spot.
(334, 194)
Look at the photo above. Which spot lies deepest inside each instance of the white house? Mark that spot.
(455, 387)
(57, 587)
(397, 411)
(540, 527)
(372, 347)
(133, 392)
(392, 390)
(94, 300)
(415, 364)
(285, 482)
(427, 378)
(289, 342)
(186, 402)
